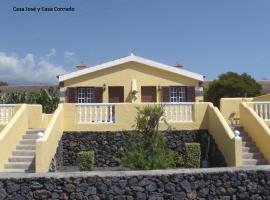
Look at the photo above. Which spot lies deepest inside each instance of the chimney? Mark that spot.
(177, 65)
(80, 66)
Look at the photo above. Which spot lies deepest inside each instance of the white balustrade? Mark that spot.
(6, 113)
(263, 110)
(95, 113)
(178, 112)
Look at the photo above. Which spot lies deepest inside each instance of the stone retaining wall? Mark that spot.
(108, 146)
(214, 183)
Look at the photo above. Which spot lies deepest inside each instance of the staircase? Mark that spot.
(23, 158)
(251, 154)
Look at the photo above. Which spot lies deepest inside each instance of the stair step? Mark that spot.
(249, 143)
(21, 159)
(23, 153)
(254, 162)
(28, 141)
(30, 136)
(14, 170)
(246, 138)
(17, 165)
(34, 131)
(254, 155)
(250, 149)
(25, 147)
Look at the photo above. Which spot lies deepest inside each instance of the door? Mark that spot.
(149, 94)
(116, 94)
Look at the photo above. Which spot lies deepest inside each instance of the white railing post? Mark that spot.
(98, 113)
(178, 111)
(6, 113)
(263, 110)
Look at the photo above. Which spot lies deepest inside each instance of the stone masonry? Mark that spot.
(108, 146)
(212, 183)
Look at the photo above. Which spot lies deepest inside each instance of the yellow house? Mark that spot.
(131, 79)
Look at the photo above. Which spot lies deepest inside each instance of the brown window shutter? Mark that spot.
(98, 94)
(190, 94)
(165, 94)
(72, 95)
(61, 84)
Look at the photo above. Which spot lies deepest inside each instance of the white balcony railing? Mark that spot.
(95, 113)
(263, 110)
(6, 113)
(178, 112)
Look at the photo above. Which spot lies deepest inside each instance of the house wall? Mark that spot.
(205, 116)
(25, 117)
(229, 145)
(122, 75)
(228, 106)
(256, 128)
(125, 114)
(262, 98)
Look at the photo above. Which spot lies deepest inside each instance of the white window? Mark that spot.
(178, 94)
(86, 95)
(90, 95)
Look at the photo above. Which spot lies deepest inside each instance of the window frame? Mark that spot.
(178, 94)
(86, 95)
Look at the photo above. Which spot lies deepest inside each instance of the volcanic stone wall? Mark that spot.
(212, 183)
(108, 146)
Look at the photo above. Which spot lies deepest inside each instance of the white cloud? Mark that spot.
(28, 69)
(69, 55)
(51, 53)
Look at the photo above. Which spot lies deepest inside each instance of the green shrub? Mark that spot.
(48, 98)
(146, 144)
(193, 155)
(179, 160)
(86, 160)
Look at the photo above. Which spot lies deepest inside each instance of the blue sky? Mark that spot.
(209, 37)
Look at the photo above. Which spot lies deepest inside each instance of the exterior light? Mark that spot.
(40, 134)
(237, 133)
(104, 87)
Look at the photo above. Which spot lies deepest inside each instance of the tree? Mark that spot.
(232, 84)
(147, 145)
(2, 83)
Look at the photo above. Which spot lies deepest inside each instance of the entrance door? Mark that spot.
(116, 94)
(149, 94)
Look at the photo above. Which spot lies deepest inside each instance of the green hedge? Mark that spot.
(86, 160)
(193, 155)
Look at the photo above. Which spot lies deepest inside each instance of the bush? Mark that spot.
(179, 160)
(193, 155)
(86, 160)
(147, 145)
(48, 98)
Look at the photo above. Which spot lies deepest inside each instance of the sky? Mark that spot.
(209, 37)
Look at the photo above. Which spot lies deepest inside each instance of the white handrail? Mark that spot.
(95, 113)
(178, 111)
(6, 113)
(263, 110)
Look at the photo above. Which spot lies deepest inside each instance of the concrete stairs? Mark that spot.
(251, 154)
(23, 158)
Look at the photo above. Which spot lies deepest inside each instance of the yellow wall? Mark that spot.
(123, 74)
(224, 137)
(205, 116)
(12, 133)
(35, 116)
(262, 98)
(125, 114)
(1, 128)
(47, 145)
(228, 106)
(46, 118)
(256, 128)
